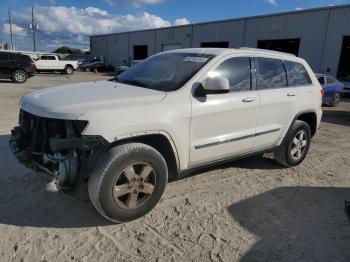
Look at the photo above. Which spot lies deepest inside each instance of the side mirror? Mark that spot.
(213, 85)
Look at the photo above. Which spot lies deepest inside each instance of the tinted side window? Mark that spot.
(297, 74)
(237, 70)
(43, 57)
(321, 80)
(270, 73)
(51, 58)
(3, 56)
(13, 57)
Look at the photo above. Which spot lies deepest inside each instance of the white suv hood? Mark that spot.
(71, 101)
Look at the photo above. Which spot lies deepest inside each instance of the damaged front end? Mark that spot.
(56, 148)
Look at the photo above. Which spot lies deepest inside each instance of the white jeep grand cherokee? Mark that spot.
(170, 114)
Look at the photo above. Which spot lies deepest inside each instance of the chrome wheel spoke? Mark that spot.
(298, 153)
(301, 136)
(129, 172)
(146, 171)
(295, 141)
(121, 190)
(294, 150)
(303, 143)
(147, 188)
(132, 201)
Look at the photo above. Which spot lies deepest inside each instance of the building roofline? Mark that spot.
(231, 19)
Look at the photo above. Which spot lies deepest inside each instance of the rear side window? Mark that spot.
(47, 57)
(296, 74)
(330, 80)
(13, 57)
(3, 56)
(238, 72)
(270, 73)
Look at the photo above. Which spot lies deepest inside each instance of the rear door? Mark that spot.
(278, 102)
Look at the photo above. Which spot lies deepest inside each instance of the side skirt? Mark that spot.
(183, 173)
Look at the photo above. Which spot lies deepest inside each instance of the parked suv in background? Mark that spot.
(16, 66)
(171, 114)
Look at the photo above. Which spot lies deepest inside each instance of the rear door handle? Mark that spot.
(291, 94)
(248, 99)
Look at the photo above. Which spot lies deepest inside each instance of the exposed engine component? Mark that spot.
(55, 147)
(68, 168)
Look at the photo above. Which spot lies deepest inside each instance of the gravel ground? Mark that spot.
(249, 210)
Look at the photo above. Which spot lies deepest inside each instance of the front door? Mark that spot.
(223, 125)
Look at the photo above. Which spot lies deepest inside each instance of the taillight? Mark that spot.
(322, 92)
(32, 63)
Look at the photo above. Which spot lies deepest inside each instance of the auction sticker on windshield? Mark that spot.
(196, 59)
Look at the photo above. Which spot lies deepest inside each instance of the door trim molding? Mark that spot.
(224, 141)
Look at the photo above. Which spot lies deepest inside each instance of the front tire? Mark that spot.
(129, 182)
(295, 146)
(19, 76)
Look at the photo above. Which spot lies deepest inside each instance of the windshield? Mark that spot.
(165, 72)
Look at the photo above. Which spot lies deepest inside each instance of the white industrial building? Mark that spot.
(321, 36)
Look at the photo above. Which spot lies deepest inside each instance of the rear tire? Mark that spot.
(19, 76)
(129, 182)
(295, 146)
(69, 70)
(336, 100)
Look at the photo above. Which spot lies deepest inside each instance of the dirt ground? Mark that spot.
(249, 210)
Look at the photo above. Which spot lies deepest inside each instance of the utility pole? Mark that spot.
(34, 27)
(10, 30)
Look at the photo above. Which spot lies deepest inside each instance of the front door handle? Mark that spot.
(248, 99)
(291, 94)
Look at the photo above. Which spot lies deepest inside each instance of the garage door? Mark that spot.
(168, 47)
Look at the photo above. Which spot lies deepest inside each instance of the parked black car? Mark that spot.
(17, 67)
(97, 67)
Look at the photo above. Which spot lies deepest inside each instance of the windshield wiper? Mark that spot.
(134, 82)
(115, 79)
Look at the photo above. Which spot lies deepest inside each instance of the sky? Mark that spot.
(70, 23)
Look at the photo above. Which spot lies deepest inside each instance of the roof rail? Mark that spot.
(265, 51)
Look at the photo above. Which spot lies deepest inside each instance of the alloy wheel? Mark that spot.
(134, 185)
(20, 77)
(299, 145)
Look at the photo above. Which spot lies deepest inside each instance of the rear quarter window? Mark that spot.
(296, 74)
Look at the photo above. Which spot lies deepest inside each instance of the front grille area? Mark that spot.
(36, 131)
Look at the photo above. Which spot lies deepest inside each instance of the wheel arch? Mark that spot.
(310, 117)
(159, 140)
